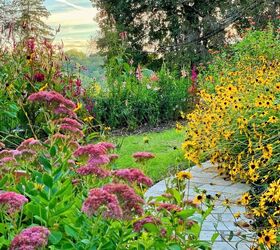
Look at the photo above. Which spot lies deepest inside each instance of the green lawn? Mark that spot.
(166, 145)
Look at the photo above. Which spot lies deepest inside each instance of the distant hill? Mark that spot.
(92, 66)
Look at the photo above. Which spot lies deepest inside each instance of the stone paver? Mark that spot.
(220, 220)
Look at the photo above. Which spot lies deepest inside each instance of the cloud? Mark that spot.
(73, 17)
(71, 4)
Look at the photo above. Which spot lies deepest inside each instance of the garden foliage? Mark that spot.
(136, 96)
(61, 193)
(237, 125)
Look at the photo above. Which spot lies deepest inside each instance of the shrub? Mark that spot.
(237, 124)
(136, 96)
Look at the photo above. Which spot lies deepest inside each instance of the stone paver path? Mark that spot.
(221, 219)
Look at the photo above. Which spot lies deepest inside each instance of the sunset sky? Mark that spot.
(76, 20)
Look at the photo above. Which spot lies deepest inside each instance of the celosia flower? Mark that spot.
(51, 97)
(90, 150)
(138, 225)
(12, 201)
(141, 156)
(133, 175)
(130, 202)
(99, 199)
(93, 170)
(33, 238)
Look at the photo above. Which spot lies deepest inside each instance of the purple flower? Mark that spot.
(133, 175)
(99, 199)
(130, 202)
(32, 238)
(12, 201)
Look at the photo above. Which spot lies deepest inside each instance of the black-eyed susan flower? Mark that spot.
(268, 238)
(183, 175)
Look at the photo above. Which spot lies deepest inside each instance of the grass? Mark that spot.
(166, 145)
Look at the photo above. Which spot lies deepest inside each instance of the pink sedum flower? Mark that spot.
(12, 201)
(130, 202)
(29, 143)
(99, 199)
(90, 150)
(69, 121)
(133, 175)
(107, 145)
(142, 156)
(62, 110)
(138, 225)
(33, 238)
(99, 160)
(113, 157)
(169, 207)
(51, 97)
(93, 170)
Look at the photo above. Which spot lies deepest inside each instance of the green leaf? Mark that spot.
(70, 231)
(176, 195)
(207, 212)
(45, 162)
(55, 237)
(2, 228)
(174, 247)
(3, 181)
(231, 234)
(195, 230)
(184, 214)
(214, 237)
(48, 181)
(40, 219)
(150, 227)
(53, 151)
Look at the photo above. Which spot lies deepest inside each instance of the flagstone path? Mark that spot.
(221, 219)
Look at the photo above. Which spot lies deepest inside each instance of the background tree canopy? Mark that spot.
(180, 30)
